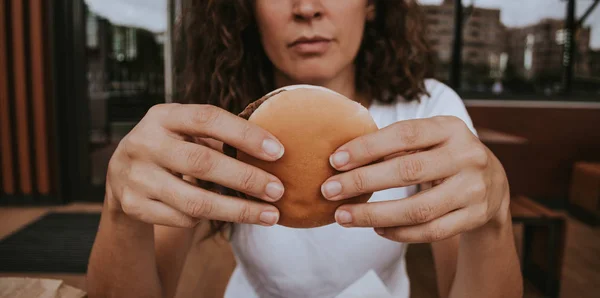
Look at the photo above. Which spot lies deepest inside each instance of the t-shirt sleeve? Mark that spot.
(443, 101)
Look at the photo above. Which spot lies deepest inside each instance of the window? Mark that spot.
(514, 44)
(433, 21)
(475, 24)
(125, 62)
(118, 43)
(440, 16)
(561, 36)
(131, 37)
(528, 58)
(586, 60)
(92, 31)
(522, 46)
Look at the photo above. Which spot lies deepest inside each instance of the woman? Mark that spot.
(437, 182)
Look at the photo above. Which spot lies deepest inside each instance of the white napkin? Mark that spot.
(368, 286)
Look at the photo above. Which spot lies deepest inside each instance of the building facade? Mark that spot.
(536, 51)
(483, 39)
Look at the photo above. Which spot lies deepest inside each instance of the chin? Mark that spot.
(313, 74)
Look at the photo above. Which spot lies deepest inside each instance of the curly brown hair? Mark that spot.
(220, 59)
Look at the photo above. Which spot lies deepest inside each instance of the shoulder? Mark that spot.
(440, 100)
(443, 100)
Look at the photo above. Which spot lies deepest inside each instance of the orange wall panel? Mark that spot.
(20, 96)
(6, 160)
(38, 88)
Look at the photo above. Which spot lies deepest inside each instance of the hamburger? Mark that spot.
(311, 122)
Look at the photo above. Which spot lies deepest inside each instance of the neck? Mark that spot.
(344, 83)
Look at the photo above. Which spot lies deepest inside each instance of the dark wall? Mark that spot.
(558, 134)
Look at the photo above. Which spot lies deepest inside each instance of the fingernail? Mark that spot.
(274, 190)
(339, 159)
(343, 217)
(379, 231)
(272, 148)
(269, 218)
(331, 188)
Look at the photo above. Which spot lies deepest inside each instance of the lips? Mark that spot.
(311, 45)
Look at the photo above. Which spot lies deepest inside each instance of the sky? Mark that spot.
(147, 14)
(151, 14)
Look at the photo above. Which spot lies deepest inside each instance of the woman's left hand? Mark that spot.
(470, 188)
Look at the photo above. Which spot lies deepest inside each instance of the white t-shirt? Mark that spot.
(321, 262)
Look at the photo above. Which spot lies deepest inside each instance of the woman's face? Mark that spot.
(312, 41)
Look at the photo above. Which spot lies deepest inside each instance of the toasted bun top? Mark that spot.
(311, 122)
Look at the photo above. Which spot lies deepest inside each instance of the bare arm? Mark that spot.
(488, 265)
(126, 244)
(172, 246)
(480, 263)
(465, 213)
(150, 212)
(445, 257)
(151, 257)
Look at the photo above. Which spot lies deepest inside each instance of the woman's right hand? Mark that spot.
(145, 173)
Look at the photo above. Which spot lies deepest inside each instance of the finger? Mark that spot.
(211, 121)
(401, 136)
(420, 208)
(209, 165)
(154, 212)
(442, 228)
(200, 203)
(210, 143)
(401, 171)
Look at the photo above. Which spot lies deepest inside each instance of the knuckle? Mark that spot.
(129, 204)
(479, 156)
(420, 215)
(167, 191)
(249, 179)
(407, 133)
(440, 122)
(200, 161)
(136, 176)
(158, 109)
(244, 213)
(359, 181)
(118, 168)
(478, 188)
(450, 202)
(483, 214)
(410, 169)
(206, 115)
(132, 145)
(199, 208)
(451, 121)
(246, 132)
(442, 119)
(370, 219)
(434, 234)
(367, 146)
(185, 221)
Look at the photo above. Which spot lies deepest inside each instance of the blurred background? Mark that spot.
(77, 75)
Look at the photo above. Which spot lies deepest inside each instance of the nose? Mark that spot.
(307, 10)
